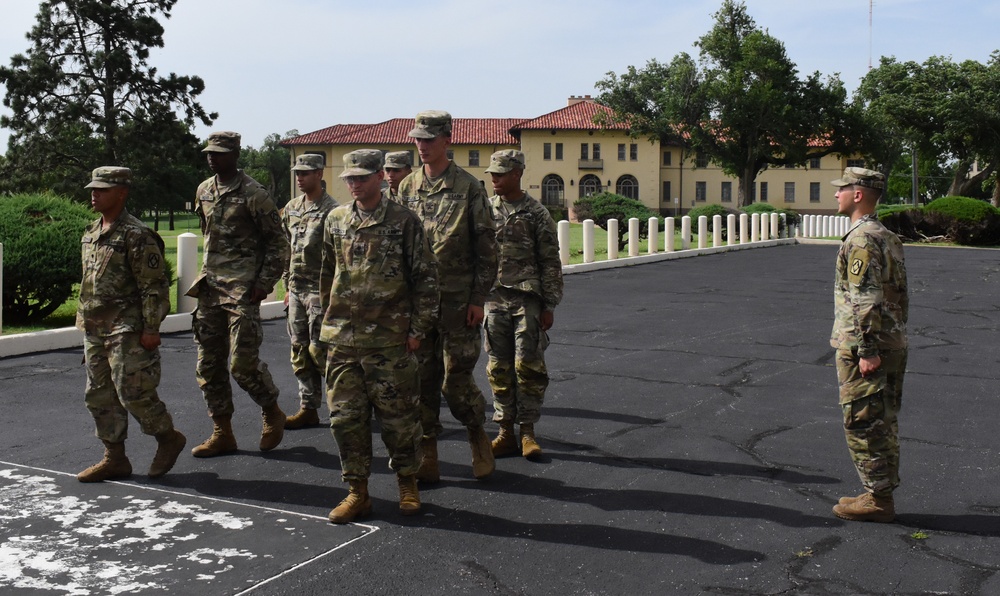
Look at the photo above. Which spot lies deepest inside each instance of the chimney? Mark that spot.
(573, 99)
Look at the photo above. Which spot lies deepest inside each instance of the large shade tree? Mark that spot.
(742, 106)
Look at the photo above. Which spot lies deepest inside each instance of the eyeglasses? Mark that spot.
(357, 179)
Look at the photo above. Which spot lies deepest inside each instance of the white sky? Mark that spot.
(276, 65)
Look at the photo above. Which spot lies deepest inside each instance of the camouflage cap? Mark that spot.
(861, 177)
(108, 176)
(222, 141)
(362, 162)
(504, 161)
(399, 160)
(430, 124)
(308, 163)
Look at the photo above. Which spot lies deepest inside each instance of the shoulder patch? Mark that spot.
(857, 265)
(153, 261)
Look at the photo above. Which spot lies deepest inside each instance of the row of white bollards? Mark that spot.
(825, 226)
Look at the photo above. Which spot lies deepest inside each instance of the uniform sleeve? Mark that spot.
(484, 243)
(275, 245)
(549, 263)
(288, 239)
(146, 261)
(328, 268)
(864, 281)
(423, 281)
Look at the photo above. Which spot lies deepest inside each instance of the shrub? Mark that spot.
(758, 208)
(962, 208)
(971, 222)
(711, 211)
(558, 213)
(605, 206)
(41, 237)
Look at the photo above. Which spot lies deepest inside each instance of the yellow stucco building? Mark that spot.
(567, 157)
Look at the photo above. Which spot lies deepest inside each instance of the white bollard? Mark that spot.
(702, 231)
(1, 287)
(588, 241)
(716, 230)
(731, 229)
(633, 237)
(810, 226)
(653, 231)
(744, 228)
(765, 227)
(755, 227)
(668, 235)
(187, 270)
(775, 229)
(685, 232)
(562, 229)
(612, 239)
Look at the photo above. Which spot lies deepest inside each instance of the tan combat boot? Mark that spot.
(867, 507)
(114, 466)
(168, 446)
(529, 446)
(849, 500)
(409, 497)
(304, 418)
(429, 471)
(273, 428)
(506, 441)
(221, 442)
(482, 452)
(357, 504)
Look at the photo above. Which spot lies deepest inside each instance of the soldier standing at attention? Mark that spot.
(519, 310)
(455, 212)
(124, 295)
(869, 333)
(302, 219)
(398, 165)
(380, 299)
(245, 254)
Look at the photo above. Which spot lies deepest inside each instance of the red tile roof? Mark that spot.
(579, 116)
(465, 131)
(323, 136)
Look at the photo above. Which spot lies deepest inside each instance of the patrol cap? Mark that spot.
(362, 162)
(504, 161)
(308, 163)
(222, 141)
(399, 160)
(430, 124)
(108, 176)
(861, 177)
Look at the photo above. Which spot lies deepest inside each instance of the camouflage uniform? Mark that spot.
(124, 293)
(244, 248)
(378, 287)
(455, 212)
(303, 221)
(529, 282)
(871, 306)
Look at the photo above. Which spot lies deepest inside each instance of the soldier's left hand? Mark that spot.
(257, 294)
(412, 344)
(474, 316)
(149, 341)
(546, 319)
(869, 365)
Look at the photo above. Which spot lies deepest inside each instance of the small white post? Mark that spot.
(702, 231)
(775, 228)
(755, 227)
(668, 235)
(765, 227)
(562, 229)
(686, 232)
(612, 239)
(633, 237)
(187, 270)
(744, 228)
(716, 230)
(588, 241)
(784, 224)
(653, 231)
(731, 231)
(1, 287)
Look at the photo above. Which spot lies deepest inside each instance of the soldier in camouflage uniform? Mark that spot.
(380, 298)
(519, 311)
(302, 220)
(124, 296)
(455, 212)
(398, 165)
(869, 333)
(245, 255)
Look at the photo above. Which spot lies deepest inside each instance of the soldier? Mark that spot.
(869, 333)
(302, 220)
(245, 254)
(124, 295)
(380, 299)
(398, 165)
(455, 212)
(519, 310)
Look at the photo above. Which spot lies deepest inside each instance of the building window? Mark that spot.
(700, 191)
(789, 192)
(451, 154)
(473, 158)
(584, 151)
(667, 158)
(558, 151)
(700, 160)
(763, 192)
(589, 185)
(727, 192)
(814, 192)
(633, 152)
(814, 163)
(666, 192)
(621, 151)
(597, 151)
(553, 191)
(855, 163)
(547, 151)
(628, 186)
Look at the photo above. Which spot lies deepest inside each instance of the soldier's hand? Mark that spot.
(412, 344)
(869, 365)
(257, 294)
(546, 319)
(474, 316)
(149, 341)
(286, 299)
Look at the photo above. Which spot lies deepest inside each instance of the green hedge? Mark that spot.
(962, 208)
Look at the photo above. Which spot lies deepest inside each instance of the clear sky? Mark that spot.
(276, 65)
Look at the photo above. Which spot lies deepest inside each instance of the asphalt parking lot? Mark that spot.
(692, 440)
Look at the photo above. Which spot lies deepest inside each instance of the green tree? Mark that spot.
(604, 206)
(744, 108)
(271, 165)
(85, 95)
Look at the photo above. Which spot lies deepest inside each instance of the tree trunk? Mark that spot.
(171, 211)
(746, 183)
(156, 219)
